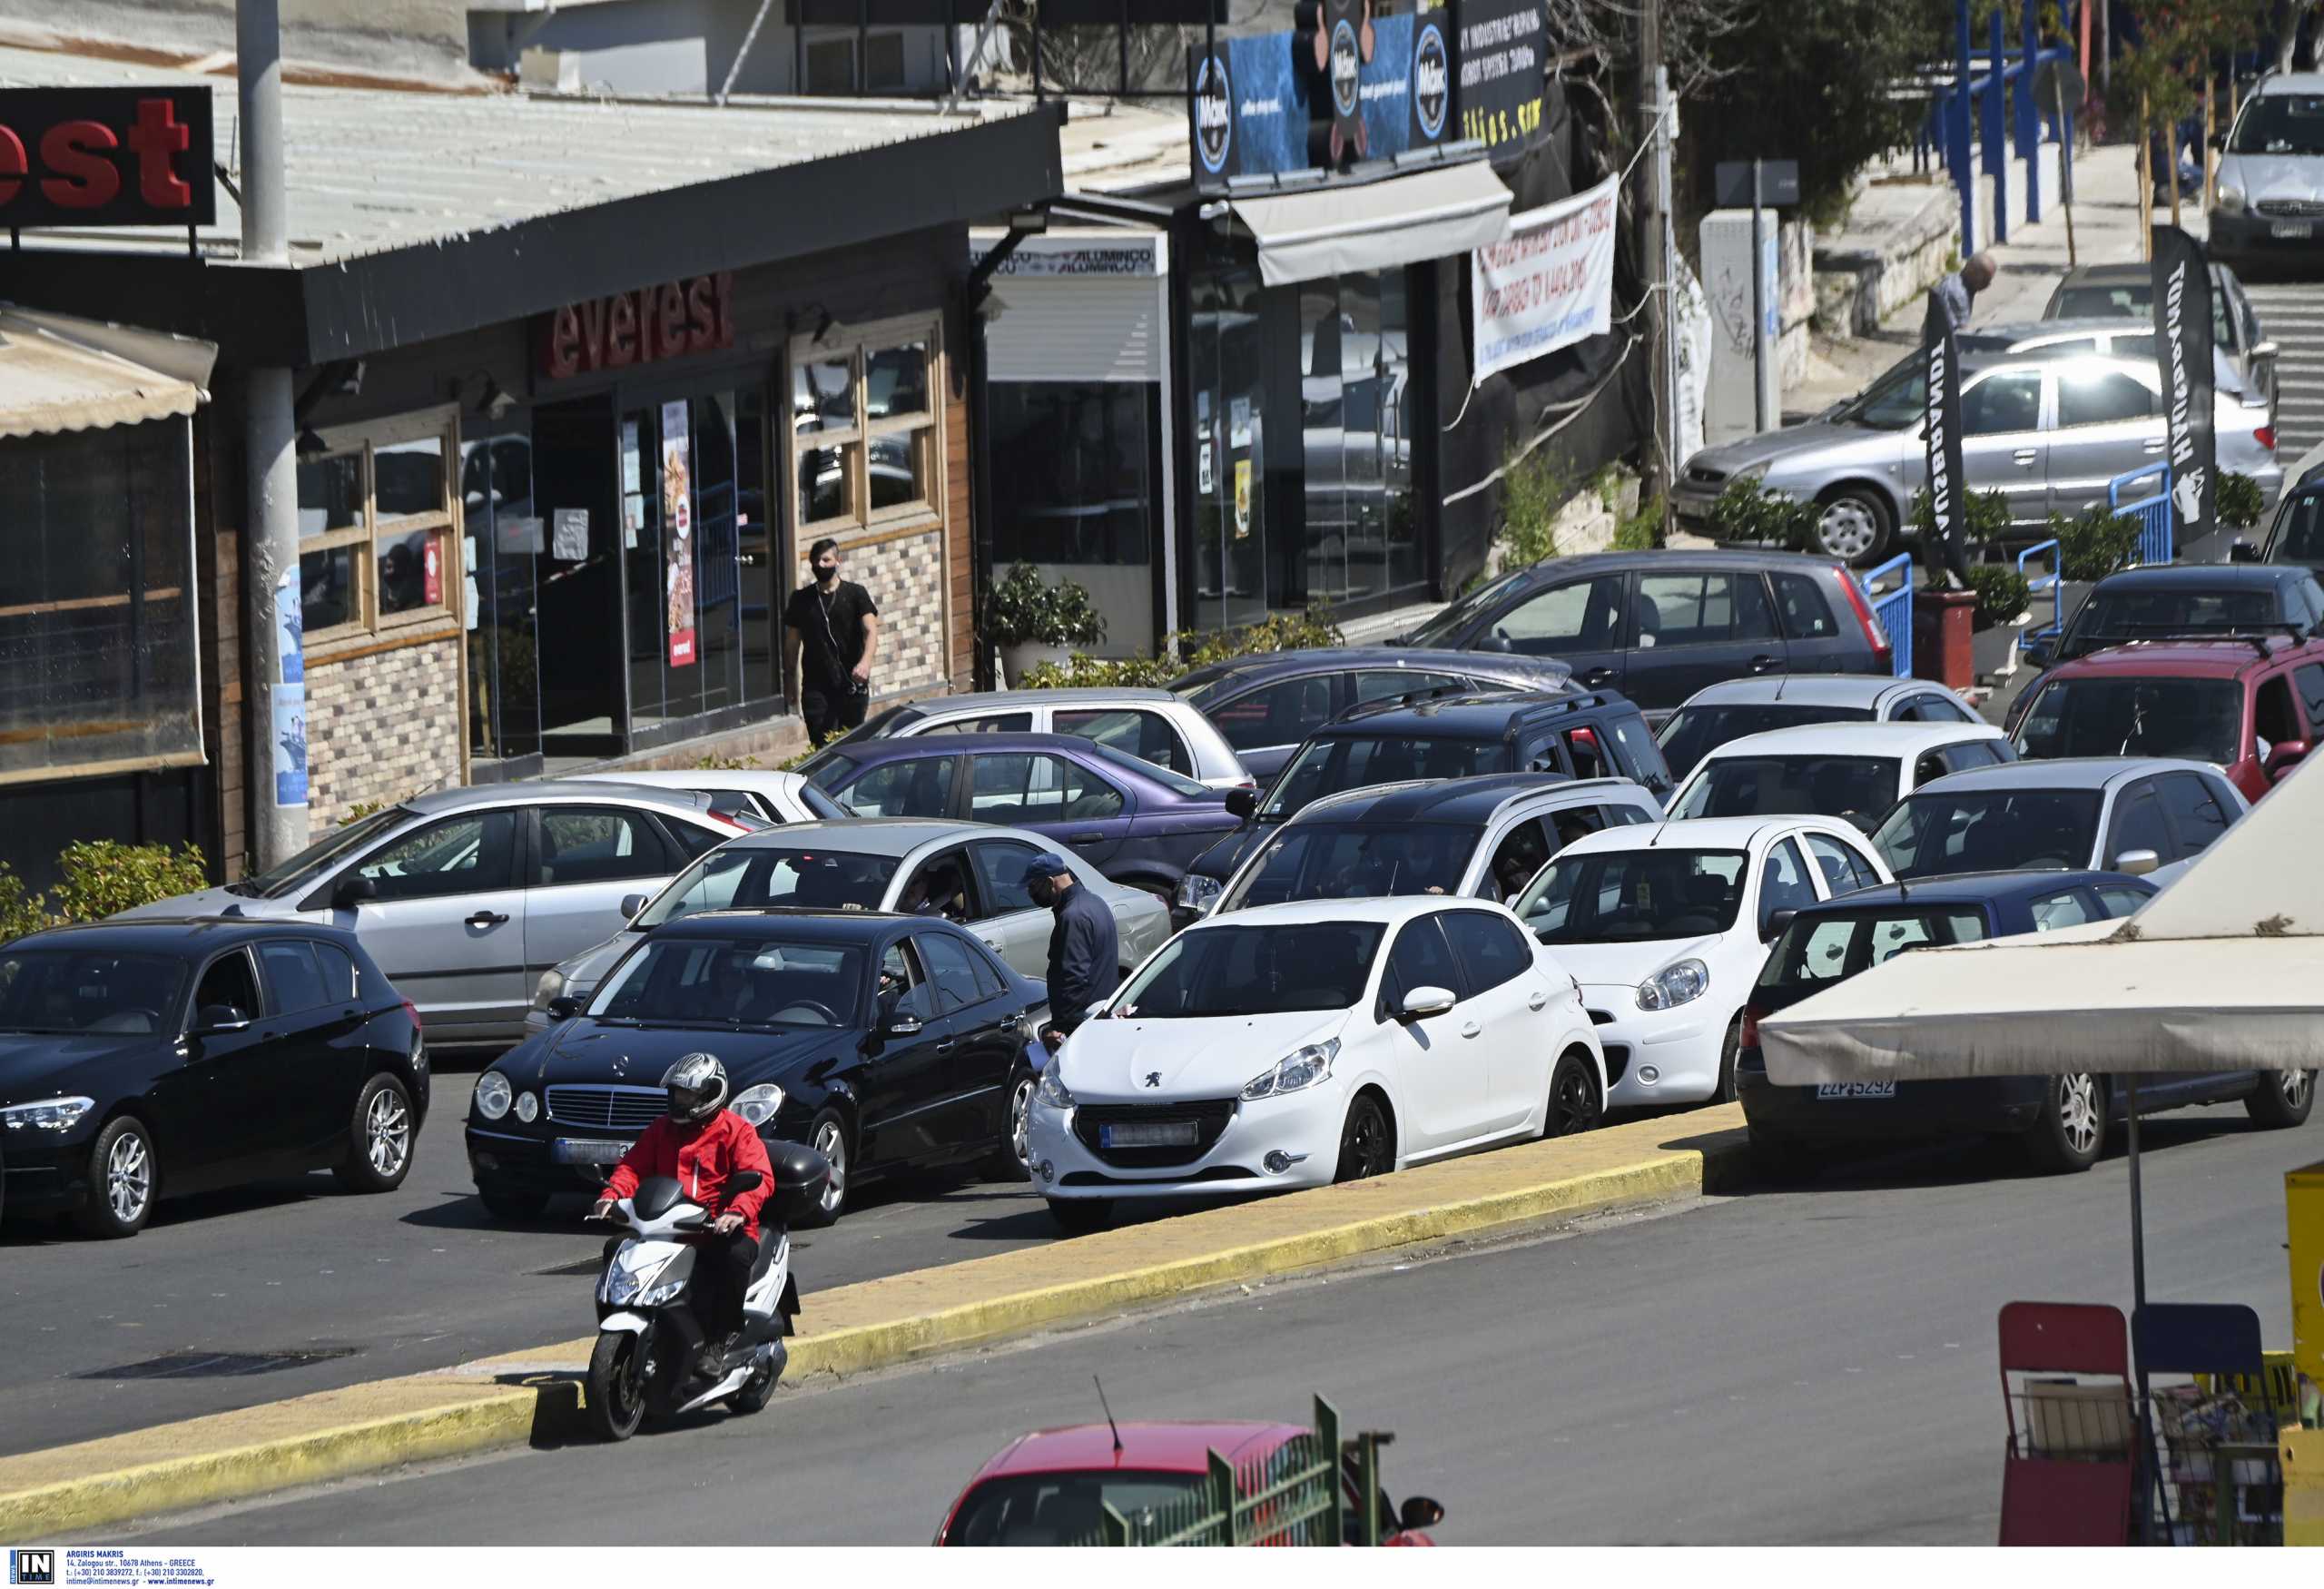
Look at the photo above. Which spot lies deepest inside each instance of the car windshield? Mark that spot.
(2132, 301)
(1177, 784)
(2199, 718)
(1898, 400)
(1348, 860)
(2012, 830)
(733, 982)
(1790, 785)
(1439, 630)
(828, 770)
(89, 991)
(2280, 123)
(1826, 948)
(2144, 612)
(1268, 969)
(885, 725)
(1694, 732)
(820, 803)
(1063, 1508)
(1327, 766)
(810, 877)
(291, 876)
(1616, 896)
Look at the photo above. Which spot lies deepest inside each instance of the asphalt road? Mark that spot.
(1806, 1366)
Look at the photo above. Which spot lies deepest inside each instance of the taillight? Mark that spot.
(728, 822)
(411, 1010)
(1874, 635)
(2266, 437)
(1749, 1037)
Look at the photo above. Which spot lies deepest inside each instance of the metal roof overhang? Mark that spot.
(58, 374)
(1430, 214)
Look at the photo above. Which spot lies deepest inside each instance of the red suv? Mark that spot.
(2253, 706)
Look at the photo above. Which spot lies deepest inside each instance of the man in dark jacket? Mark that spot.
(1085, 951)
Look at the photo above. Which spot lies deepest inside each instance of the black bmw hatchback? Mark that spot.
(148, 1059)
(884, 1041)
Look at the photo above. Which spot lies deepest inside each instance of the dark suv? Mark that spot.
(1659, 626)
(1587, 734)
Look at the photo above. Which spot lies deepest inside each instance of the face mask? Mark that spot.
(826, 572)
(1043, 891)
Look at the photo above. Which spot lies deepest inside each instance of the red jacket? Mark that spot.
(700, 1158)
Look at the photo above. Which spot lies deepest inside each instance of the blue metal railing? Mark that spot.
(1966, 125)
(1893, 610)
(2043, 585)
(2153, 512)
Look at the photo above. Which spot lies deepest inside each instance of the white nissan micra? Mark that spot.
(1298, 1044)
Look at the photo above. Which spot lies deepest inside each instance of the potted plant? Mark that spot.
(1033, 623)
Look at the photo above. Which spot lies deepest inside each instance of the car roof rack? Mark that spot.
(2261, 637)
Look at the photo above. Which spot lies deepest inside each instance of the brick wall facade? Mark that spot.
(907, 578)
(381, 726)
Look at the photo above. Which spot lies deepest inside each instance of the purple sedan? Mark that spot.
(1137, 822)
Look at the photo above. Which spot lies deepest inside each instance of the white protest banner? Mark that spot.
(1549, 283)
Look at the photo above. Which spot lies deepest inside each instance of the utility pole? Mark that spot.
(1653, 235)
(276, 691)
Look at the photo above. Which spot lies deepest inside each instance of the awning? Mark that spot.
(59, 373)
(2221, 971)
(1430, 214)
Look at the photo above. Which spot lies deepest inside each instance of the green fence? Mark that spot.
(1303, 1492)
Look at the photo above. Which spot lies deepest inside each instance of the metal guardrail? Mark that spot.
(2044, 584)
(2153, 512)
(1894, 611)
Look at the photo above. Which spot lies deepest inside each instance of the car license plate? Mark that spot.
(586, 1150)
(2292, 230)
(1856, 1090)
(1150, 1134)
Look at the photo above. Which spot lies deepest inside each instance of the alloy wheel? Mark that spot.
(2078, 1113)
(387, 1132)
(1021, 1122)
(2295, 1084)
(1575, 1102)
(831, 1141)
(129, 1178)
(1365, 1148)
(1846, 528)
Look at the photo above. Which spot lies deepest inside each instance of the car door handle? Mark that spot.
(989, 943)
(487, 919)
(1762, 664)
(2026, 454)
(947, 1046)
(1598, 676)
(1538, 1001)
(1469, 1029)
(1088, 838)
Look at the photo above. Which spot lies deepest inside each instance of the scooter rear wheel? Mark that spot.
(752, 1396)
(617, 1387)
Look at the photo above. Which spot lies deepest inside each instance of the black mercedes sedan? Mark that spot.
(884, 1042)
(148, 1059)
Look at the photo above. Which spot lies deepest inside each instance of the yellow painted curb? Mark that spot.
(523, 1396)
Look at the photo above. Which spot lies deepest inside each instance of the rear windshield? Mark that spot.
(2111, 616)
(1818, 950)
(1694, 732)
(1790, 785)
(827, 771)
(886, 725)
(1623, 895)
(2131, 301)
(2199, 718)
(1321, 860)
(1326, 766)
(808, 876)
(1063, 1508)
(1176, 782)
(1934, 834)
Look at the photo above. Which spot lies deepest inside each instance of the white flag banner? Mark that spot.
(1549, 283)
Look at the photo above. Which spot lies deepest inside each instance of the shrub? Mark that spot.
(1533, 492)
(1748, 511)
(1284, 631)
(20, 913)
(726, 763)
(1021, 610)
(2095, 544)
(2002, 593)
(1642, 531)
(1988, 518)
(102, 878)
(2239, 501)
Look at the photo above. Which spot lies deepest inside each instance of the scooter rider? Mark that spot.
(701, 1143)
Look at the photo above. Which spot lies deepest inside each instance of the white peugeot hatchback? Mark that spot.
(1292, 1045)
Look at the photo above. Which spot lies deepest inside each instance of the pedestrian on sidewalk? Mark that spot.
(831, 633)
(1958, 291)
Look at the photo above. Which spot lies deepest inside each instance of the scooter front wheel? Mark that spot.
(616, 1385)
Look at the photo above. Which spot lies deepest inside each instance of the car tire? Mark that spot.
(124, 1179)
(379, 1137)
(1367, 1145)
(514, 1204)
(1853, 523)
(2283, 1099)
(829, 1135)
(1011, 1162)
(1577, 1104)
(1081, 1216)
(1730, 1046)
(2070, 1135)
(1779, 1161)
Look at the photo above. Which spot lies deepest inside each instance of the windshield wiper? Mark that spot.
(246, 889)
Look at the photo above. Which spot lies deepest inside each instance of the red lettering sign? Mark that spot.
(627, 329)
(106, 157)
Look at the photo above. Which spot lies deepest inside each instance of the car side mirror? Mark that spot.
(1419, 1512)
(2285, 757)
(631, 903)
(213, 1018)
(1496, 641)
(2218, 140)
(902, 1024)
(744, 1180)
(1422, 1002)
(1774, 925)
(2034, 653)
(564, 1007)
(2267, 350)
(2137, 862)
(2242, 551)
(1243, 804)
(353, 890)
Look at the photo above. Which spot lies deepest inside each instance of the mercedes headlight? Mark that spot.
(50, 1114)
(551, 985)
(1052, 1092)
(1674, 985)
(1294, 1072)
(2231, 198)
(529, 1108)
(1198, 893)
(493, 1095)
(757, 1105)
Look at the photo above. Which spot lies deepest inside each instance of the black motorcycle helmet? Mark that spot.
(697, 1088)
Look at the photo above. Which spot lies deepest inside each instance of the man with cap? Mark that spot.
(1085, 951)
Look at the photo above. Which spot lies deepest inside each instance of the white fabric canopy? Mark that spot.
(1429, 214)
(2221, 971)
(59, 373)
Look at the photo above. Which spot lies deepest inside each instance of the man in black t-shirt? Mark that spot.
(830, 633)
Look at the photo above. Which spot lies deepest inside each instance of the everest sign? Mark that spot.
(1549, 283)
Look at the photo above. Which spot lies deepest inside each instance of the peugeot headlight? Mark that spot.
(757, 1105)
(1052, 1092)
(50, 1114)
(2231, 198)
(1294, 1072)
(1198, 893)
(551, 985)
(493, 1095)
(1674, 985)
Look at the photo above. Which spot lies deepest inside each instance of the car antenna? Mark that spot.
(1116, 1427)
